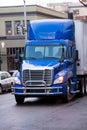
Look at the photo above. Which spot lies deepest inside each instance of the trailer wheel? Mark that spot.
(19, 99)
(82, 88)
(68, 97)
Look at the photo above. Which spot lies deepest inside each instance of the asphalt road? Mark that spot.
(36, 114)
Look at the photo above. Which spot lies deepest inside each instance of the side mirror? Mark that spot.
(21, 57)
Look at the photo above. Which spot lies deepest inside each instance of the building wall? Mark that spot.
(78, 10)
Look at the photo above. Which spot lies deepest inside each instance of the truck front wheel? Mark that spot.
(19, 99)
(68, 95)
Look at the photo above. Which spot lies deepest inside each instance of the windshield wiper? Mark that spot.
(51, 57)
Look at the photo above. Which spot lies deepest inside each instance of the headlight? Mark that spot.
(16, 80)
(59, 80)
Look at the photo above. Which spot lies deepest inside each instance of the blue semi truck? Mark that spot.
(54, 61)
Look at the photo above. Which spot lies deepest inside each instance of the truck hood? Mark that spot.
(40, 64)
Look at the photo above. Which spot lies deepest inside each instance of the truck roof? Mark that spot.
(51, 29)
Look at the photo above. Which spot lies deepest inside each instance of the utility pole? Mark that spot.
(84, 2)
(25, 21)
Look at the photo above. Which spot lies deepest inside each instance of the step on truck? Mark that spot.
(54, 62)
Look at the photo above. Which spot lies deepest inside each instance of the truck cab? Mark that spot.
(49, 64)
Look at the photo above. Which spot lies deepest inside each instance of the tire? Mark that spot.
(68, 97)
(19, 99)
(0, 89)
(82, 89)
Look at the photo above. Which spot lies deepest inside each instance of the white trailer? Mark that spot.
(81, 46)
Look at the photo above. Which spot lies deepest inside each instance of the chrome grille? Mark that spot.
(38, 75)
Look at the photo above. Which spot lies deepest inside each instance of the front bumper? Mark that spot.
(38, 91)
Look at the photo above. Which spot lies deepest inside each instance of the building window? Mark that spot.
(28, 21)
(8, 26)
(16, 25)
(11, 53)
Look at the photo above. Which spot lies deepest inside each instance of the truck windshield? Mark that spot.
(45, 52)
